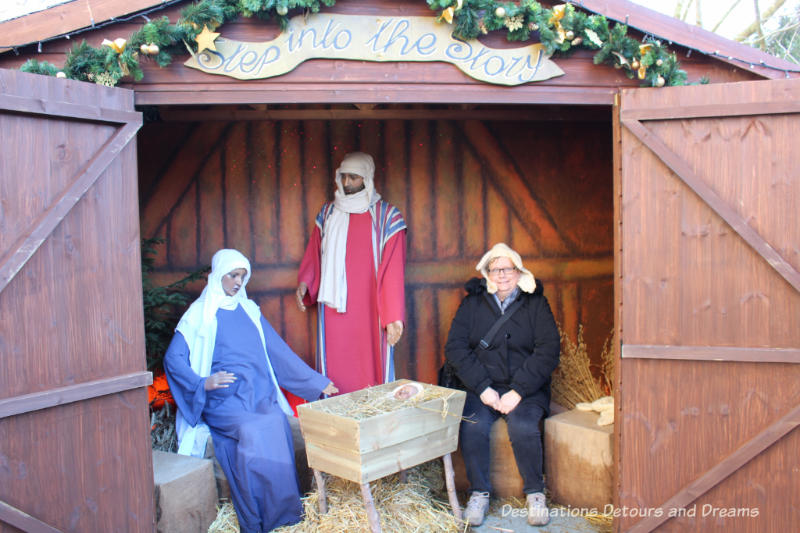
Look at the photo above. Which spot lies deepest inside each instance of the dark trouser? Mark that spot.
(526, 441)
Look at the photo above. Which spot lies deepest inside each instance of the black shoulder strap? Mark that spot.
(487, 339)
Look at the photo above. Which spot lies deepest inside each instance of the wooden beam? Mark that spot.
(182, 170)
(712, 353)
(318, 93)
(682, 169)
(447, 273)
(23, 521)
(511, 185)
(26, 403)
(31, 239)
(721, 470)
(542, 114)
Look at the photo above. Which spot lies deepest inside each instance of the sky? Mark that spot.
(711, 10)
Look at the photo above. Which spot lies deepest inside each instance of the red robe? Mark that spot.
(353, 355)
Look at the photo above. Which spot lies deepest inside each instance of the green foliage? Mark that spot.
(163, 306)
(39, 67)
(560, 29)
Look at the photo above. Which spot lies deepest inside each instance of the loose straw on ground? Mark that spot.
(416, 505)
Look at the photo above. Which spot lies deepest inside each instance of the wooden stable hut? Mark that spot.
(665, 214)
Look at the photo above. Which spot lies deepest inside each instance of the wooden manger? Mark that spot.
(368, 434)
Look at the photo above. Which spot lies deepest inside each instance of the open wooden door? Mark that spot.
(74, 430)
(709, 308)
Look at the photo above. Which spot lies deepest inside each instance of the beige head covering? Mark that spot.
(333, 277)
(526, 281)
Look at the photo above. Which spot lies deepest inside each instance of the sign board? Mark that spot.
(373, 38)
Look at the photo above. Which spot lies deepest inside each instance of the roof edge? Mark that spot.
(679, 32)
(63, 19)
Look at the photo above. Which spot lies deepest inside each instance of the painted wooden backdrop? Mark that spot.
(545, 188)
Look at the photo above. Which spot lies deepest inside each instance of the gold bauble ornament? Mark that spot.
(282, 10)
(570, 35)
(634, 64)
(660, 81)
(143, 49)
(60, 74)
(152, 49)
(659, 62)
(500, 12)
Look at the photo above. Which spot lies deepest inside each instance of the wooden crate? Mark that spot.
(371, 448)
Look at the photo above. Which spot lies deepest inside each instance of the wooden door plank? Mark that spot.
(671, 112)
(60, 109)
(21, 520)
(717, 204)
(721, 470)
(712, 353)
(30, 241)
(73, 393)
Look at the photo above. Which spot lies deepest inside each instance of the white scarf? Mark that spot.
(333, 278)
(198, 325)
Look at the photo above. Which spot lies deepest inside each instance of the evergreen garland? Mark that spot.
(561, 29)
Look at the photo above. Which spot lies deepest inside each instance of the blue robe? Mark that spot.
(251, 434)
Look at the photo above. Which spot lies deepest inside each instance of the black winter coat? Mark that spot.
(523, 353)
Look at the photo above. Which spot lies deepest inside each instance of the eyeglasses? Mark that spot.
(505, 271)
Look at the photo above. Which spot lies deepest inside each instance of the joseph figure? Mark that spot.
(354, 270)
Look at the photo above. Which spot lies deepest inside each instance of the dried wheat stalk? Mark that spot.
(573, 381)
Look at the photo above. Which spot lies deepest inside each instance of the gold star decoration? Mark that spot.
(205, 40)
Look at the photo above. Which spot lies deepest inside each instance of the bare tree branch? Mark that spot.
(699, 13)
(686, 9)
(758, 24)
(753, 28)
(678, 9)
(730, 10)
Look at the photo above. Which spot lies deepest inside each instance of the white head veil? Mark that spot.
(198, 325)
(333, 278)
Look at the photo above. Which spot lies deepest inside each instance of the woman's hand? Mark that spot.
(330, 389)
(393, 332)
(219, 380)
(491, 398)
(300, 293)
(509, 401)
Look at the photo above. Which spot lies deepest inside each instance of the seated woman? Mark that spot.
(508, 375)
(223, 366)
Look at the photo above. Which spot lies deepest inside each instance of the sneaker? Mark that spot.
(538, 513)
(476, 508)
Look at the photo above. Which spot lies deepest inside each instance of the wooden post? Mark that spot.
(322, 497)
(450, 481)
(369, 505)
